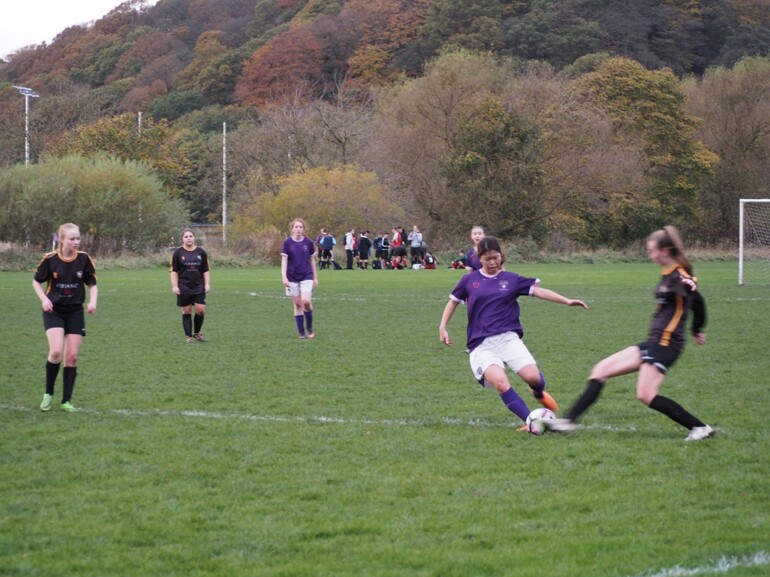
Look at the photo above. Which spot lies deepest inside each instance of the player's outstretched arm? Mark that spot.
(554, 297)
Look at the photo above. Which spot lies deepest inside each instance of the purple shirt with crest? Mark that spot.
(298, 267)
(492, 303)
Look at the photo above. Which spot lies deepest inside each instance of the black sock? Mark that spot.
(51, 372)
(187, 324)
(69, 375)
(198, 321)
(675, 412)
(590, 395)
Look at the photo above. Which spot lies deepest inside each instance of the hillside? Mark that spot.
(249, 51)
(585, 121)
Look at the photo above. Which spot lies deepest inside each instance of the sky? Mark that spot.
(25, 22)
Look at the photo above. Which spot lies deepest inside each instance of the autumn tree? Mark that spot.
(337, 198)
(171, 154)
(734, 105)
(285, 62)
(416, 124)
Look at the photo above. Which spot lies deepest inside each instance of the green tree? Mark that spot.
(493, 173)
(177, 104)
(118, 205)
(153, 143)
(650, 106)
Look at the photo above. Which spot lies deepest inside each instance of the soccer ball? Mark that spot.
(535, 420)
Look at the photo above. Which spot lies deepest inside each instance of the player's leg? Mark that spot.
(623, 362)
(185, 305)
(535, 379)
(55, 337)
(200, 314)
(70, 371)
(656, 362)
(306, 300)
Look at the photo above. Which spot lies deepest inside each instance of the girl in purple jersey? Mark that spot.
(472, 261)
(675, 295)
(300, 276)
(66, 273)
(494, 329)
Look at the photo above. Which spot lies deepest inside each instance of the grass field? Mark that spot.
(371, 451)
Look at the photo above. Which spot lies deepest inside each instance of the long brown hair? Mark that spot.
(668, 239)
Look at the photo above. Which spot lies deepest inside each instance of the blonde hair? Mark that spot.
(66, 227)
(668, 239)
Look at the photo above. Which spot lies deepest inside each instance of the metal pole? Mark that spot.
(26, 129)
(224, 184)
(740, 242)
(26, 93)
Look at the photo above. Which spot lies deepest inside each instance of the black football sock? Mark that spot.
(187, 324)
(675, 412)
(51, 372)
(69, 374)
(590, 395)
(198, 322)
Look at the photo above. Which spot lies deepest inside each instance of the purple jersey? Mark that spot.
(300, 253)
(472, 259)
(492, 303)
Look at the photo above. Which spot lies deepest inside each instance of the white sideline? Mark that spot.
(313, 419)
(723, 565)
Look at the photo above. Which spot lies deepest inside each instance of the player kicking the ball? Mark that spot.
(675, 295)
(494, 329)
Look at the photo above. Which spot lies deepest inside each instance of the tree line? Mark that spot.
(444, 113)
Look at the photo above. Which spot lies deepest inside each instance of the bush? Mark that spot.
(119, 206)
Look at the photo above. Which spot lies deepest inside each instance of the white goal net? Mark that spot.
(754, 241)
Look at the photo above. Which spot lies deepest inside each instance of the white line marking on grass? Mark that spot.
(723, 565)
(314, 419)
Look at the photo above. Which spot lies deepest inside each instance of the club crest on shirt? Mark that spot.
(503, 285)
(79, 274)
(476, 285)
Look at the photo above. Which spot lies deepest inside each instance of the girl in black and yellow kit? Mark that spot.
(675, 295)
(66, 273)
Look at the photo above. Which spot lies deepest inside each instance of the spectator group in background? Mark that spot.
(398, 250)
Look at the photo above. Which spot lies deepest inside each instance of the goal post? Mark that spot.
(754, 240)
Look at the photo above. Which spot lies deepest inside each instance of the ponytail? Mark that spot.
(668, 238)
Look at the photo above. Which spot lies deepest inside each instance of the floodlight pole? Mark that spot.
(224, 184)
(27, 93)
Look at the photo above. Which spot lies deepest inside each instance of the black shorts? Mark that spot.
(663, 358)
(326, 254)
(187, 300)
(73, 322)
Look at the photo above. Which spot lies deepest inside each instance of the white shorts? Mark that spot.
(302, 287)
(504, 350)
